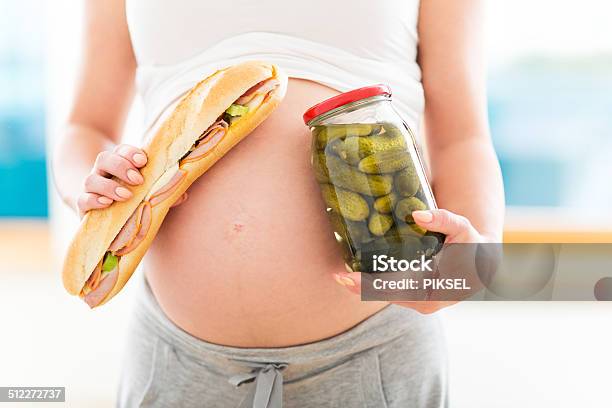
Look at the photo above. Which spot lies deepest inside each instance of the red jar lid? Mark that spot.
(344, 98)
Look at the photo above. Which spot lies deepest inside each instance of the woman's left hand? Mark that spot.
(457, 229)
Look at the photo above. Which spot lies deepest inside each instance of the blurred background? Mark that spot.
(550, 101)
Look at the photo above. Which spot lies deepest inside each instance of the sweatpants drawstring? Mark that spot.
(267, 391)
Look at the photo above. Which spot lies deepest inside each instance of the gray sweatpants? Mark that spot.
(396, 358)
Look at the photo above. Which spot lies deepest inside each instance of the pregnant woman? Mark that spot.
(244, 299)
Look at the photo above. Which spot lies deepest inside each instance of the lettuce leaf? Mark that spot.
(110, 262)
(237, 110)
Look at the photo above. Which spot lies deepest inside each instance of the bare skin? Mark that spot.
(249, 259)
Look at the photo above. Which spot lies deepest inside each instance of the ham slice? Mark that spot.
(128, 232)
(142, 231)
(97, 295)
(137, 226)
(169, 188)
(218, 126)
(208, 141)
(94, 278)
(262, 87)
(250, 91)
(256, 101)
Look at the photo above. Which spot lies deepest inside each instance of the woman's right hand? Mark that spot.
(100, 190)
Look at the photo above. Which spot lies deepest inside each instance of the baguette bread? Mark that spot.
(166, 148)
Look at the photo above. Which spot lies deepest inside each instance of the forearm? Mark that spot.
(74, 158)
(467, 180)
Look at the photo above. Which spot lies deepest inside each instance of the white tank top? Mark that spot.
(344, 44)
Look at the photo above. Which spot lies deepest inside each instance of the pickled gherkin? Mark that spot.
(385, 162)
(348, 150)
(355, 232)
(326, 134)
(379, 224)
(395, 237)
(398, 234)
(385, 204)
(359, 232)
(350, 178)
(320, 167)
(366, 146)
(392, 129)
(407, 181)
(348, 204)
(381, 143)
(360, 129)
(432, 242)
(337, 222)
(405, 207)
(329, 133)
(411, 229)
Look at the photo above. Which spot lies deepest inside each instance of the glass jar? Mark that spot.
(372, 178)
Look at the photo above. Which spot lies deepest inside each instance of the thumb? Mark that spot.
(442, 221)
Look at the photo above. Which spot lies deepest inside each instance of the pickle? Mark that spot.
(328, 133)
(412, 248)
(348, 177)
(411, 230)
(394, 130)
(398, 238)
(405, 207)
(379, 224)
(338, 224)
(407, 181)
(385, 162)
(422, 196)
(428, 244)
(359, 232)
(359, 129)
(320, 167)
(333, 147)
(430, 241)
(348, 204)
(385, 204)
(348, 150)
(355, 232)
(402, 232)
(381, 143)
(367, 146)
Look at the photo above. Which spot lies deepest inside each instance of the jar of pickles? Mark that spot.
(367, 164)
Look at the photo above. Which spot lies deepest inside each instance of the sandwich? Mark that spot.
(209, 120)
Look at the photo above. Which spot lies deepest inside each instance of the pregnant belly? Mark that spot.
(248, 259)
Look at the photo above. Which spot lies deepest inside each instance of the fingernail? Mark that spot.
(123, 192)
(343, 280)
(134, 176)
(423, 216)
(140, 159)
(104, 200)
